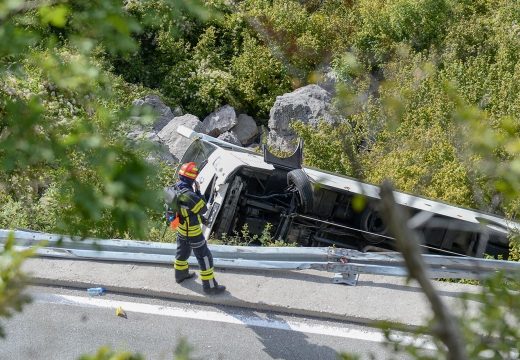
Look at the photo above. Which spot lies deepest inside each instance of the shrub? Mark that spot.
(258, 78)
(418, 23)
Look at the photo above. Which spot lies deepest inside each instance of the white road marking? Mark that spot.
(129, 307)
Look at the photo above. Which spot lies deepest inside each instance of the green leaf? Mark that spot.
(54, 15)
(359, 202)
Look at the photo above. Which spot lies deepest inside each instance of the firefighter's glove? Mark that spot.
(169, 216)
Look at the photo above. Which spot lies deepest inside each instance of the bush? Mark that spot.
(258, 78)
(420, 24)
(325, 146)
(14, 214)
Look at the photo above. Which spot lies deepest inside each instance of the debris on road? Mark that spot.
(120, 312)
(97, 291)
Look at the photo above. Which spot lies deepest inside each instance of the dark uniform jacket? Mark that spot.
(192, 205)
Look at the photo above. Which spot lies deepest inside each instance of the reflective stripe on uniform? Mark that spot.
(180, 264)
(211, 281)
(189, 231)
(207, 274)
(185, 229)
(195, 245)
(198, 206)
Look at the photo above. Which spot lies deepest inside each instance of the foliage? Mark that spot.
(244, 56)
(183, 350)
(385, 24)
(322, 144)
(105, 353)
(12, 279)
(490, 332)
(428, 97)
(413, 102)
(258, 77)
(64, 166)
(60, 118)
(514, 247)
(304, 37)
(245, 238)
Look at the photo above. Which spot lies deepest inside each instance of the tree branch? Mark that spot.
(446, 327)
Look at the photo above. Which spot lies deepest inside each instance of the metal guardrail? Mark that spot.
(347, 264)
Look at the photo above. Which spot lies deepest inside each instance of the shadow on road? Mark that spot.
(277, 336)
(287, 344)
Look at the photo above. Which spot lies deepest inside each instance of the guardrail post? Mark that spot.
(350, 278)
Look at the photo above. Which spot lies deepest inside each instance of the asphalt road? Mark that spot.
(64, 323)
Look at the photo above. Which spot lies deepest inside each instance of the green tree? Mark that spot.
(60, 111)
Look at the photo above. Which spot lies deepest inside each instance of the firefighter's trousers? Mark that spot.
(202, 253)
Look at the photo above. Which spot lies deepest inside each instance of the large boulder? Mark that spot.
(147, 140)
(230, 137)
(163, 112)
(176, 143)
(220, 121)
(246, 129)
(308, 104)
(159, 152)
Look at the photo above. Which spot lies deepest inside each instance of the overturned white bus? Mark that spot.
(314, 208)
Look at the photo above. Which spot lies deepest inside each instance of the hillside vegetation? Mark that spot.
(428, 89)
(428, 92)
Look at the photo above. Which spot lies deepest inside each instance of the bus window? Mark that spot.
(198, 152)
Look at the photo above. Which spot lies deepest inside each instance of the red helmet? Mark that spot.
(189, 170)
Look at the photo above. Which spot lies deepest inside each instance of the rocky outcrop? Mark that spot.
(246, 129)
(308, 104)
(159, 152)
(163, 112)
(176, 143)
(146, 136)
(150, 142)
(225, 125)
(220, 121)
(162, 141)
(230, 137)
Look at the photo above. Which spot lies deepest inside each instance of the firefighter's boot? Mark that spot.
(181, 271)
(215, 290)
(180, 276)
(209, 285)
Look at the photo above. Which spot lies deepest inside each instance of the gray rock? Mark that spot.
(328, 79)
(308, 104)
(246, 129)
(177, 111)
(176, 143)
(220, 121)
(164, 113)
(158, 152)
(230, 137)
(151, 144)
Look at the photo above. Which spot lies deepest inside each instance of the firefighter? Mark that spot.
(189, 232)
